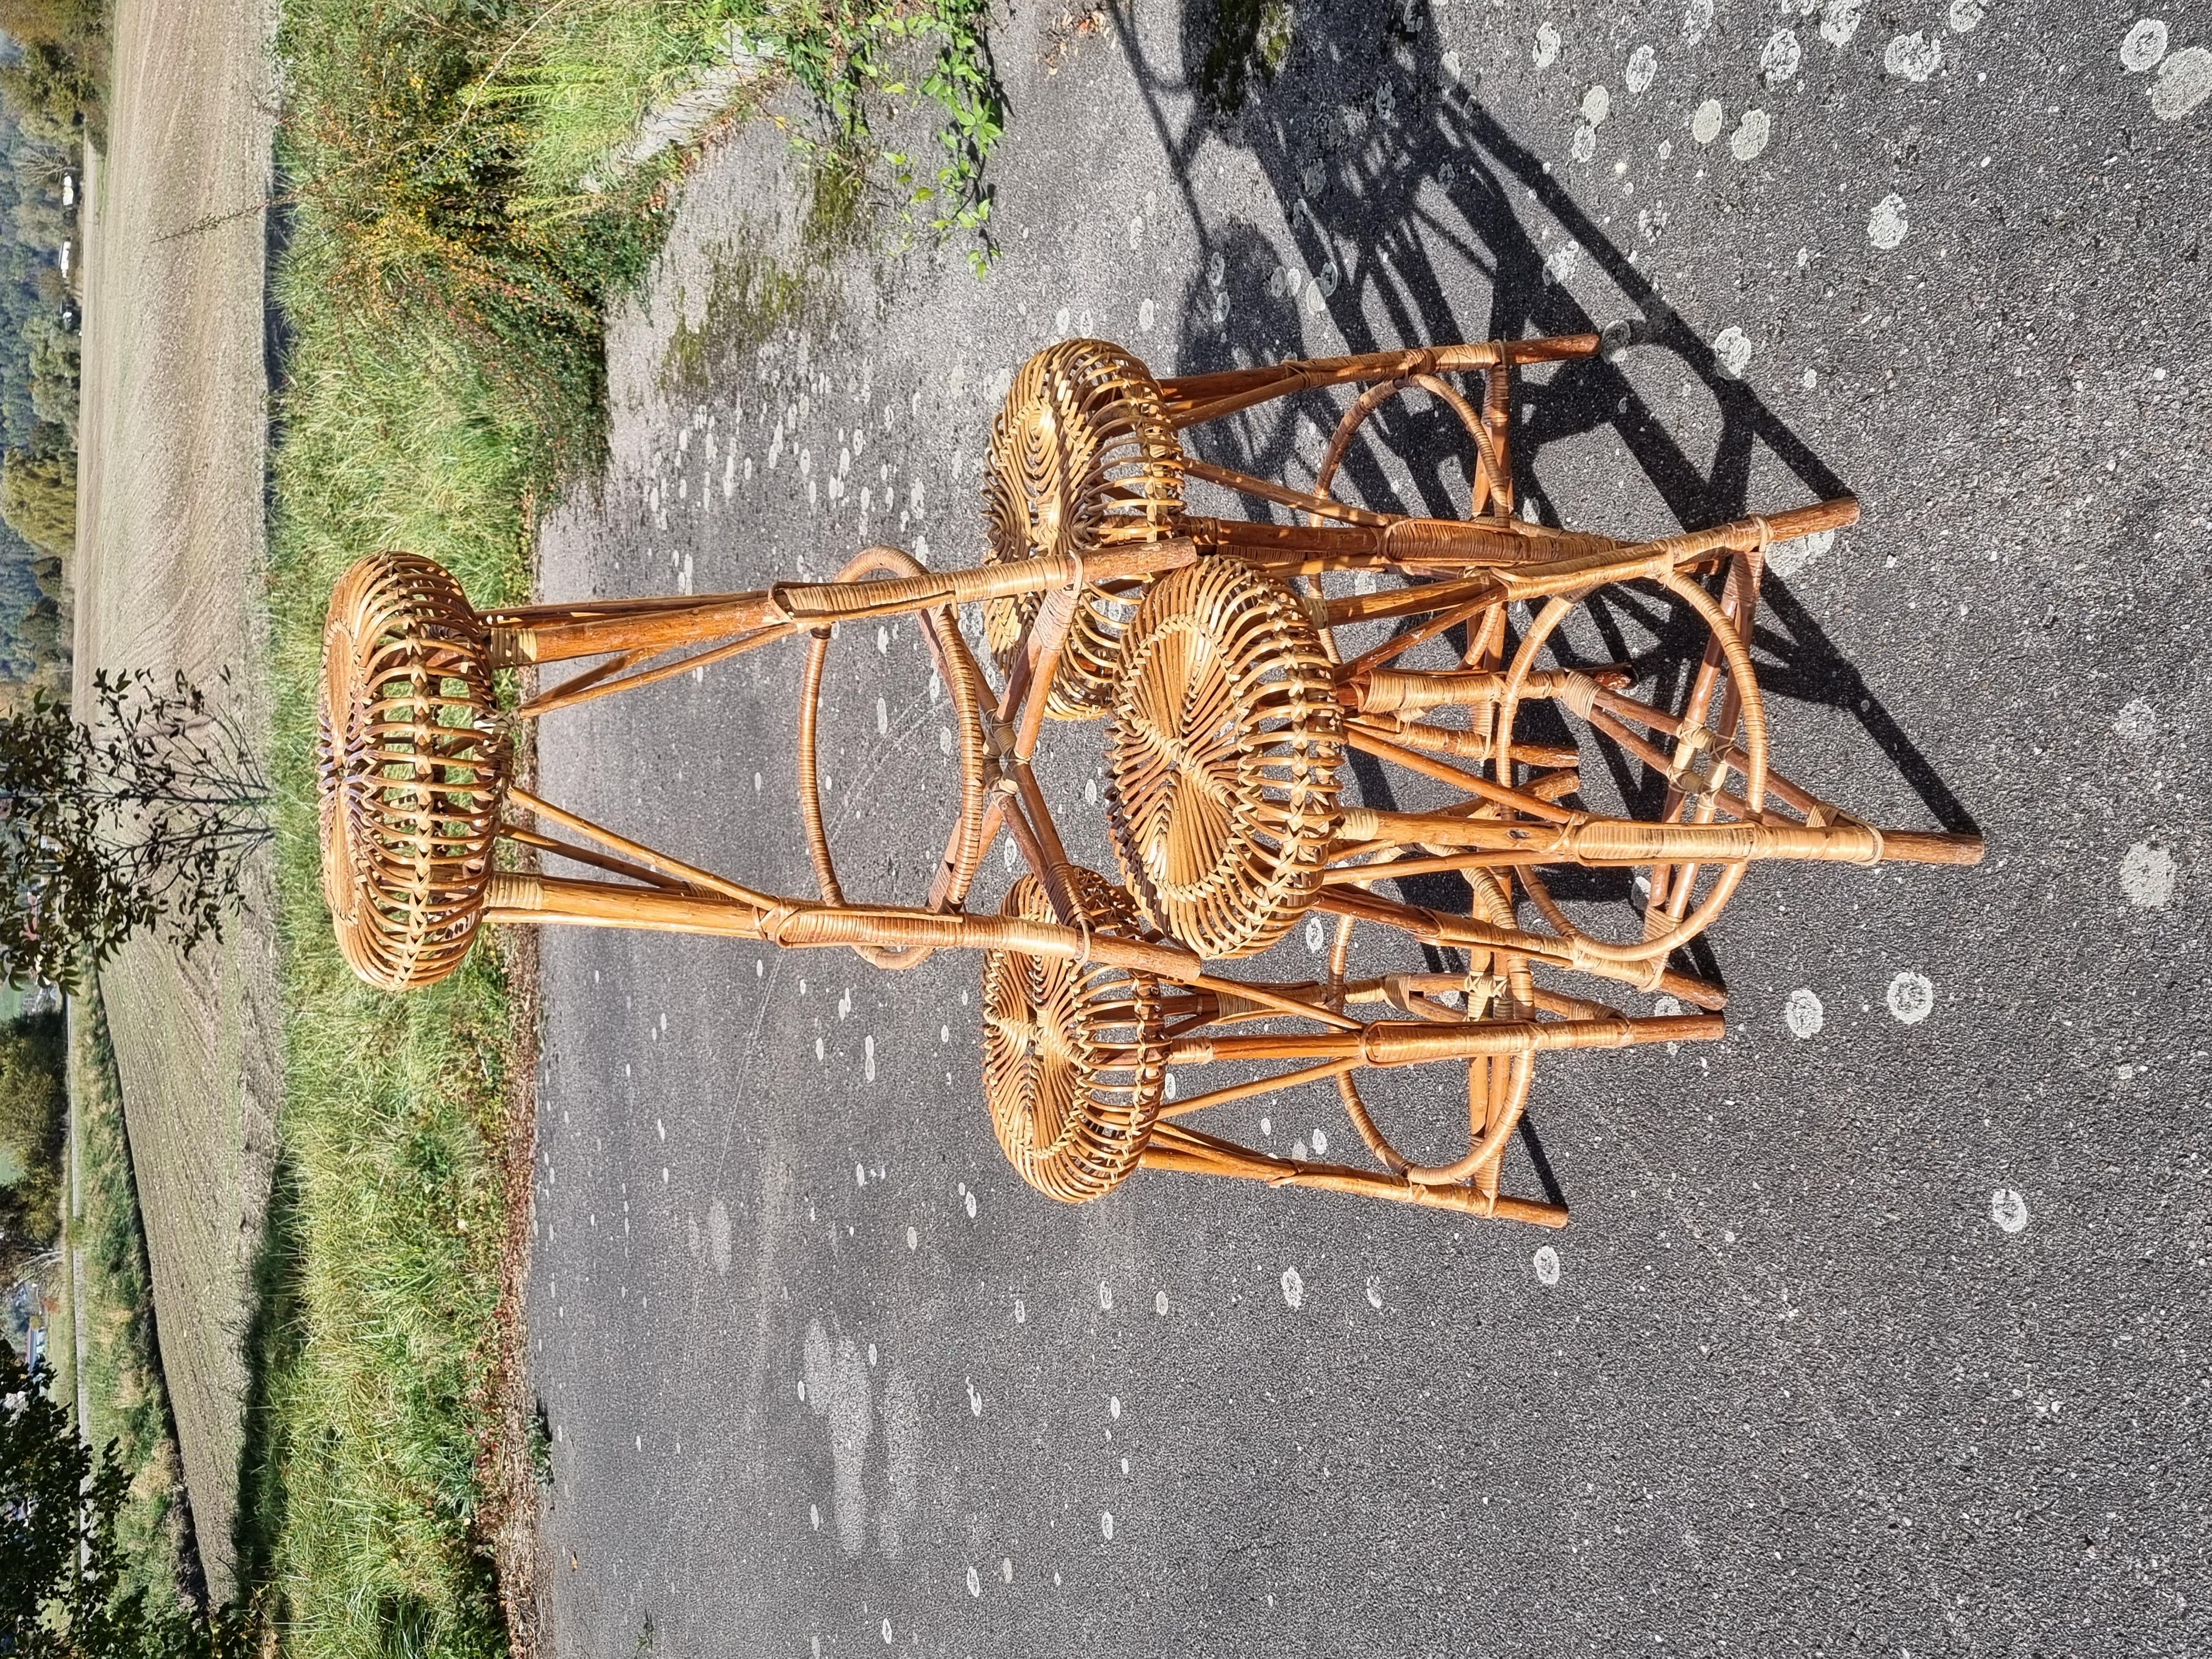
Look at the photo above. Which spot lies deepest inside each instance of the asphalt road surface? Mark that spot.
(1880, 1326)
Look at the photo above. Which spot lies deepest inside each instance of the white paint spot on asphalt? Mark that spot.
(912, 1239)
(1966, 15)
(883, 719)
(1886, 224)
(2009, 1209)
(1749, 139)
(814, 1510)
(817, 1051)
(974, 1582)
(1452, 67)
(1732, 347)
(718, 1235)
(1105, 1296)
(1780, 57)
(1114, 1406)
(1090, 791)
(860, 1175)
(2184, 81)
(1565, 260)
(1915, 56)
(1146, 313)
(1106, 1525)
(1546, 1263)
(1804, 1014)
(887, 1632)
(1642, 68)
(970, 1201)
(1547, 47)
(1786, 559)
(1911, 998)
(1597, 104)
(1160, 1303)
(1697, 18)
(1267, 1126)
(1580, 148)
(1021, 1311)
(1136, 229)
(1174, 1089)
(868, 1057)
(1294, 1288)
(1317, 935)
(1006, 1570)
(2147, 875)
(1373, 1292)
(2144, 45)
(1320, 1142)
(2137, 722)
(1705, 123)
(1839, 21)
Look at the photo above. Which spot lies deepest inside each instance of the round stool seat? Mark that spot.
(1223, 752)
(1073, 1058)
(412, 770)
(1083, 458)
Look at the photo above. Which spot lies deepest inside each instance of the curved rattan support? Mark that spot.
(1083, 459)
(1702, 755)
(412, 770)
(1496, 985)
(1482, 475)
(1073, 1058)
(1222, 759)
(964, 681)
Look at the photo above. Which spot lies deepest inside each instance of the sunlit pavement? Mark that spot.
(1879, 1326)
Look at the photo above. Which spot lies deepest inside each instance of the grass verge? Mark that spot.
(467, 192)
(130, 1406)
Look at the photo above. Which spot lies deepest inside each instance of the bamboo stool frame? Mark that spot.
(1233, 870)
(1213, 649)
(415, 757)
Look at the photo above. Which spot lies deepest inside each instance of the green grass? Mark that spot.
(130, 1406)
(459, 228)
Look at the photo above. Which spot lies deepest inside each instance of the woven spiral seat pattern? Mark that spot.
(1083, 457)
(1073, 1060)
(410, 770)
(1222, 755)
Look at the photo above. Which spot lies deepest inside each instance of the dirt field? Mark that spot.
(170, 560)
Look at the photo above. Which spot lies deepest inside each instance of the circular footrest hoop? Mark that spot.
(1073, 1058)
(1083, 457)
(1223, 755)
(970, 698)
(412, 770)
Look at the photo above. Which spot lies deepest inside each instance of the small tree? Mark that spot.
(38, 499)
(33, 1100)
(141, 822)
(62, 1593)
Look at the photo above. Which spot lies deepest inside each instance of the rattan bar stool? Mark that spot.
(416, 793)
(1233, 707)
(415, 776)
(1076, 1057)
